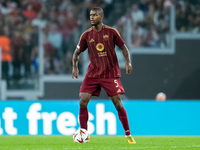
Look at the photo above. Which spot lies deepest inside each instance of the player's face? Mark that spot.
(95, 18)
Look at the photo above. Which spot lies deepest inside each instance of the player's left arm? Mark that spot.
(126, 54)
(121, 44)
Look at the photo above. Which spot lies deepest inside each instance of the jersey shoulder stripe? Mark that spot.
(88, 30)
(108, 27)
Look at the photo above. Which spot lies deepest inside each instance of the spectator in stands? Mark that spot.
(26, 26)
(137, 14)
(120, 26)
(143, 6)
(27, 48)
(163, 29)
(5, 10)
(12, 6)
(182, 13)
(65, 64)
(196, 28)
(35, 61)
(65, 5)
(29, 12)
(36, 4)
(137, 35)
(151, 38)
(63, 27)
(5, 54)
(55, 38)
(135, 31)
(151, 12)
(107, 6)
(52, 16)
(34, 35)
(50, 60)
(17, 42)
(13, 18)
(39, 21)
(159, 5)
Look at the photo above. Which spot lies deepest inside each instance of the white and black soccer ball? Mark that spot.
(81, 136)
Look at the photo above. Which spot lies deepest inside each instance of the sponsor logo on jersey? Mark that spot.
(101, 54)
(100, 47)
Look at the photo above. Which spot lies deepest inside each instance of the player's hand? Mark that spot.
(75, 72)
(128, 67)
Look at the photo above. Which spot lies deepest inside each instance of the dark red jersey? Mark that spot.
(101, 50)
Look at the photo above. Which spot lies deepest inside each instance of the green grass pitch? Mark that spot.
(99, 143)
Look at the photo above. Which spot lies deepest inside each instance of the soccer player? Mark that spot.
(103, 70)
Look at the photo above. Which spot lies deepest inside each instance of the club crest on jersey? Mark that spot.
(100, 47)
(106, 37)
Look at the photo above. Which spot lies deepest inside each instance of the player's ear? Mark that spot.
(102, 17)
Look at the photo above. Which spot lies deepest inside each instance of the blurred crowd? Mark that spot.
(21, 21)
(18, 38)
(146, 23)
(188, 16)
(141, 23)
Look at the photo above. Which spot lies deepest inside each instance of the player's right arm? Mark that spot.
(82, 46)
(75, 71)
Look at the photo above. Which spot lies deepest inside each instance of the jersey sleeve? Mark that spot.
(82, 45)
(118, 39)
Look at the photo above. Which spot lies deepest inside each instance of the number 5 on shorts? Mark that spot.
(115, 81)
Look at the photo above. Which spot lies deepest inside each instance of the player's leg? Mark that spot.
(123, 117)
(121, 113)
(88, 88)
(83, 111)
(114, 88)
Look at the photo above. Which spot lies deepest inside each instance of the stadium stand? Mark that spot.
(44, 33)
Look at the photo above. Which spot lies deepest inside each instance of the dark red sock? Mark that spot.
(124, 120)
(83, 117)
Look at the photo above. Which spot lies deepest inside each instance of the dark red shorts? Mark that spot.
(112, 86)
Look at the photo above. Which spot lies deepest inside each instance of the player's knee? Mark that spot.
(84, 99)
(117, 102)
(82, 103)
(118, 105)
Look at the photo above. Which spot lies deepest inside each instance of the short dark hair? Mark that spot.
(99, 9)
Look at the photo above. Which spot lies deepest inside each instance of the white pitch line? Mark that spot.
(146, 147)
(108, 148)
(170, 147)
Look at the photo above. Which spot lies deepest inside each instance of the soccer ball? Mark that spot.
(81, 136)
